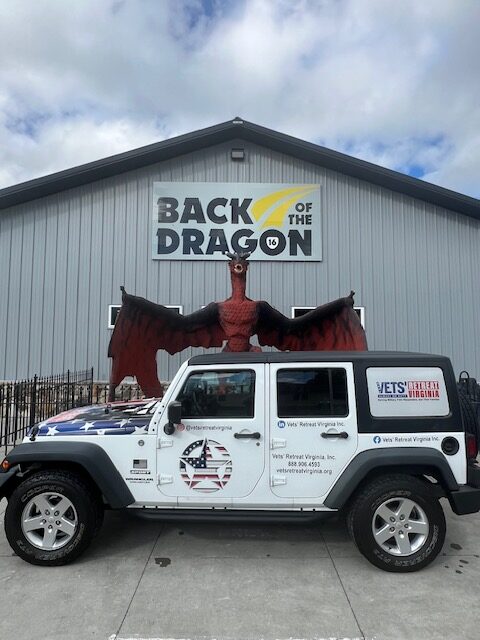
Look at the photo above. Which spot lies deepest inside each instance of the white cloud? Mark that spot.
(393, 82)
(65, 143)
(462, 169)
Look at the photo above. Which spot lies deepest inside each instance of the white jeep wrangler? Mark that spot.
(264, 435)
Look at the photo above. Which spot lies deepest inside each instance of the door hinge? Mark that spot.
(162, 443)
(164, 478)
(278, 443)
(277, 480)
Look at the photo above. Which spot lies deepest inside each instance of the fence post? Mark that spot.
(7, 417)
(17, 398)
(70, 392)
(33, 401)
(90, 387)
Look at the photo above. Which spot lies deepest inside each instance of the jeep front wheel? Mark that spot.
(397, 523)
(51, 518)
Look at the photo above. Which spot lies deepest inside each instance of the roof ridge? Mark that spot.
(238, 128)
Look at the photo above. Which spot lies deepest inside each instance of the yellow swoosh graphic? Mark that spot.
(276, 218)
(261, 205)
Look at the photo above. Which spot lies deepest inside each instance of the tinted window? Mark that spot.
(218, 394)
(312, 393)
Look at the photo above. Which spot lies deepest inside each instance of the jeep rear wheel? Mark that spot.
(51, 518)
(397, 523)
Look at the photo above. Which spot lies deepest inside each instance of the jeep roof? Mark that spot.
(377, 357)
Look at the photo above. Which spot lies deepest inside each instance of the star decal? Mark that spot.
(87, 426)
(207, 471)
(143, 429)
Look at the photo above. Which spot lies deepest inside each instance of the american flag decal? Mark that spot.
(205, 466)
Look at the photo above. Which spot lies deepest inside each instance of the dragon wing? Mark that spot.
(331, 327)
(143, 327)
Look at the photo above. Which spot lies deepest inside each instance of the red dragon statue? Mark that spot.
(142, 328)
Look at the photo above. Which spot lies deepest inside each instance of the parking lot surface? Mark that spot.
(144, 579)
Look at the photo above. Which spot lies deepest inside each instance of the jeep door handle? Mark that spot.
(335, 434)
(254, 435)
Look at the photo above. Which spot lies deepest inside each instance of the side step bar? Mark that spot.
(230, 515)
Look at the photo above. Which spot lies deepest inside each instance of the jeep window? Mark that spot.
(218, 394)
(312, 393)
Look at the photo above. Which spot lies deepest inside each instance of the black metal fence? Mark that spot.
(26, 402)
(124, 392)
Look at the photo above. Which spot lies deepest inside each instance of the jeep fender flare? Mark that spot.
(394, 459)
(90, 457)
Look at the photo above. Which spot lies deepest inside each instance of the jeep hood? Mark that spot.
(121, 418)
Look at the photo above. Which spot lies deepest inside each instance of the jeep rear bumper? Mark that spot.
(467, 498)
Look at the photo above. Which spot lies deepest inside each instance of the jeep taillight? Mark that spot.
(471, 442)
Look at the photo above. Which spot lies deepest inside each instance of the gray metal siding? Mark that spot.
(413, 266)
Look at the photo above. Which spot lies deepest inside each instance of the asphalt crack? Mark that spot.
(139, 581)
(343, 586)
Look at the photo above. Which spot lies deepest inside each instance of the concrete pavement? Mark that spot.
(152, 580)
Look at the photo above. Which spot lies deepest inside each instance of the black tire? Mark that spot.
(360, 522)
(89, 515)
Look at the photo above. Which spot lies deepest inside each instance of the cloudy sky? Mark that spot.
(393, 82)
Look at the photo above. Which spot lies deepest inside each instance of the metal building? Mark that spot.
(409, 249)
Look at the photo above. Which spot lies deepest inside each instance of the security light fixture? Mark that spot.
(238, 154)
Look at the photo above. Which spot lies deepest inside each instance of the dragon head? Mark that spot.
(238, 264)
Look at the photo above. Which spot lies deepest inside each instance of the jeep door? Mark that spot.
(217, 452)
(313, 422)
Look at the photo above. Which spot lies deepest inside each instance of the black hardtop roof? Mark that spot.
(235, 130)
(379, 358)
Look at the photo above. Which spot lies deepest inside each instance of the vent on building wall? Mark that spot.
(176, 307)
(113, 310)
(300, 311)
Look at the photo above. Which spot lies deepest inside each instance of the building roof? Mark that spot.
(233, 130)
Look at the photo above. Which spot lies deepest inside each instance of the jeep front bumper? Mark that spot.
(5, 476)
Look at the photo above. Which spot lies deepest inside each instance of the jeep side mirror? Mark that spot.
(174, 413)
